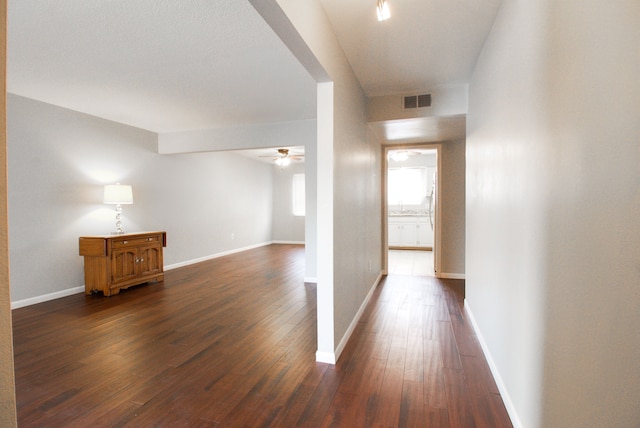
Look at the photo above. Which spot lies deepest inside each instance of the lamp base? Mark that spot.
(119, 230)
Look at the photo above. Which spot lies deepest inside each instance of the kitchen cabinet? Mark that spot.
(114, 262)
(424, 234)
(402, 234)
(410, 232)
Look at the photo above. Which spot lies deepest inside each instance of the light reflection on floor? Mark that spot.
(411, 262)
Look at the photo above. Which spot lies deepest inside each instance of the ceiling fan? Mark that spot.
(284, 157)
(402, 155)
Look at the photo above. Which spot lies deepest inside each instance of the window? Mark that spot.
(298, 194)
(407, 186)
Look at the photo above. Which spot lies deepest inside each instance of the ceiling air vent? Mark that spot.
(417, 101)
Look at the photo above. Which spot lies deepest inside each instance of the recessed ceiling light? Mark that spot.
(383, 10)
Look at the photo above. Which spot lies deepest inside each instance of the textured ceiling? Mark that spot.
(161, 65)
(168, 65)
(425, 43)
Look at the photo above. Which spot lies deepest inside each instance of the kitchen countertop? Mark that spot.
(408, 214)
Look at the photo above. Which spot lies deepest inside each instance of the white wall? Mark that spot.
(250, 136)
(552, 210)
(58, 162)
(286, 227)
(295, 133)
(446, 100)
(595, 88)
(357, 201)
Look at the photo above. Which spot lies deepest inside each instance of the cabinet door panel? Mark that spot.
(150, 260)
(123, 265)
(409, 235)
(395, 234)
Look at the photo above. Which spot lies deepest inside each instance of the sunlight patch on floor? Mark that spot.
(411, 262)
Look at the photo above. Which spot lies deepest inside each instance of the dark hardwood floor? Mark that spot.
(231, 342)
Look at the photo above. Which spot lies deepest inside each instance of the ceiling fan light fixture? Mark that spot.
(283, 158)
(283, 161)
(383, 11)
(399, 156)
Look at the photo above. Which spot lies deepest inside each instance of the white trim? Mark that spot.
(311, 279)
(504, 392)
(226, 253)
(46, 297)
(450, 275)
(76, 290)
(356, 319)
(437, 233)
(213, 256)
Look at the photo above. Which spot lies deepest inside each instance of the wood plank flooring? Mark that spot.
(231, 342)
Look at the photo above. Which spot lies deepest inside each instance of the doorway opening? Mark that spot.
(410, 210)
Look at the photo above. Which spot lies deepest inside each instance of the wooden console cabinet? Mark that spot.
(114, 262)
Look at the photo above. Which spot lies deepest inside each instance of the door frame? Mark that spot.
(437, 231)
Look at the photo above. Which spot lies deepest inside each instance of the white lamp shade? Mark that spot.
(118, 194)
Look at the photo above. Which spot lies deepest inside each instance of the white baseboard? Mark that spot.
(46, 297)
(311, 279)
(446, 275)
(356, 319)
(70, 291)
(506, 398)
(288, 242)
(214, 256)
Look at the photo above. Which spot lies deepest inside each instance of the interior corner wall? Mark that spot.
(452, 200)
(8, 417)
(286, 227)
(325, 224)
(311, 215)
(357, 201)
(552, 205)
(352, 219)
(59, 160)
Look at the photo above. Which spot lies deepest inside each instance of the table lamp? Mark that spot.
(118, 194)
